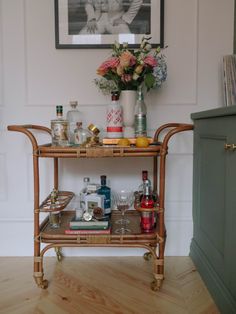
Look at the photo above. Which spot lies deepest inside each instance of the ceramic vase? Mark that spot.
(128, 101)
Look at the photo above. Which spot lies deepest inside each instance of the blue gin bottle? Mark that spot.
(106, 191)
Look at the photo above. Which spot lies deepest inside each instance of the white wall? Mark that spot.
(34, 77)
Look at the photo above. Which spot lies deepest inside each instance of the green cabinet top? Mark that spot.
(218, 112)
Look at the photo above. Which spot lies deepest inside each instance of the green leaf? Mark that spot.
(149, 80)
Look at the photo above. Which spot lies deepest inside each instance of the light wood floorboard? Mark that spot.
(102, 285)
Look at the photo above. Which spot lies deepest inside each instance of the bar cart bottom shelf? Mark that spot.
(57, 239)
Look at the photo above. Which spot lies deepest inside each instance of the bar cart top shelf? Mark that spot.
(153, 150)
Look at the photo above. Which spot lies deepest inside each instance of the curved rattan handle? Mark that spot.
(175, 128)
(25, 129)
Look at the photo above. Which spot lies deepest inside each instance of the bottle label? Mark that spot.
(114, 120)
(59, 131)
(114, 129)
(140, 123)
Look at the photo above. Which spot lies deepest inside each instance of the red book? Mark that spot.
(71, 232)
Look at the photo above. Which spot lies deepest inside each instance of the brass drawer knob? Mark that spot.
(230, 146)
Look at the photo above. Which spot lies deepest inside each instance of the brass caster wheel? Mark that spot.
(44, 284)
(147, 256)
(154, 285)
(59, 254)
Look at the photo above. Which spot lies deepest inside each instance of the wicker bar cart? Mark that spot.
(56, 238)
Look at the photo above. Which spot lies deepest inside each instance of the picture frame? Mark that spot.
(129, 22)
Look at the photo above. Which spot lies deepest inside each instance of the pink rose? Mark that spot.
(107, 65)
(150, 61)
(126, 78)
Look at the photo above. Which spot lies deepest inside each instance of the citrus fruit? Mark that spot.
(123, 142)
(142, 141)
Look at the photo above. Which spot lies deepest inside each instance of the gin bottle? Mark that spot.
(140, 115)
(106, 191)
(59, 127)
(73, 116)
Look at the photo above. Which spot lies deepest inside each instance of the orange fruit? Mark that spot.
(123, 142)
(142, 142)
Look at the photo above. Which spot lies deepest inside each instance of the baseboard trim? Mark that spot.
(217, 289)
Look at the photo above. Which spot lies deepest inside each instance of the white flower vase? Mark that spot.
(128, 101)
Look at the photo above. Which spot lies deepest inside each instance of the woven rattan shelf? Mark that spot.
(57, 238)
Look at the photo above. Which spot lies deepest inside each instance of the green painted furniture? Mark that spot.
(213, 247)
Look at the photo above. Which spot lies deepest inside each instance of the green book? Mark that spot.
(89, 227)
(92, 224)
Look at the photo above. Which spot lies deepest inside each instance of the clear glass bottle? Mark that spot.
(73, 116)
(84, 191)
(140, 115)
(80, 134)
(59, 127)
(114, 117)
(106, 191)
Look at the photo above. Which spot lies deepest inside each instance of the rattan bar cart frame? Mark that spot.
(57, 238)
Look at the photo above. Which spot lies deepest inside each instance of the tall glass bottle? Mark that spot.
(114, 117)
(140, 115)
(147, 202)
(106, 191)
(141, 186)
(59, 127)
(73, 116)
(84, 191)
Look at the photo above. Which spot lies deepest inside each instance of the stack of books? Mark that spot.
(78, 226)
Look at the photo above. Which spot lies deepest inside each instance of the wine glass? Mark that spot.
(123, 201)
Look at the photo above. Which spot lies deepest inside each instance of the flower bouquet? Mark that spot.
(127, 69)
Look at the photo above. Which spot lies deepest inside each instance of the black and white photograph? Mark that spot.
(98, 23)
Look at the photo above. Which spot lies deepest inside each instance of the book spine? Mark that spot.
(71, 232)
(88, 227)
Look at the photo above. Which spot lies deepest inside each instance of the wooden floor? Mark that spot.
(102, 285)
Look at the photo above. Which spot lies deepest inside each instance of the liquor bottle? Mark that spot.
(114, 117)
(106, 191)
(84, 192)
(59, 127)
(147, 202)
(80, 134)
(140, 115)
(141, 187)
(73, 116)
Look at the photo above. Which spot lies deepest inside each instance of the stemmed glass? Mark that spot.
(123, 201)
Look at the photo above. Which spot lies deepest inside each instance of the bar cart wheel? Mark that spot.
(156, 284)
(147, 256)
(41, 283)
(44, 284)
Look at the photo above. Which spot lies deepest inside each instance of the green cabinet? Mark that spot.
(213, 247)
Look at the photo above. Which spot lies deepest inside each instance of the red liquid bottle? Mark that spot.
(147, 217)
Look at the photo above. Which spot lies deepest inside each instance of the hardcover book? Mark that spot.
(92, 224)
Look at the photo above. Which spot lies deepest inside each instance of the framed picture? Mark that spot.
(99, 23)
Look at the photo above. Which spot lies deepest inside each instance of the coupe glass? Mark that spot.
(123, 201)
